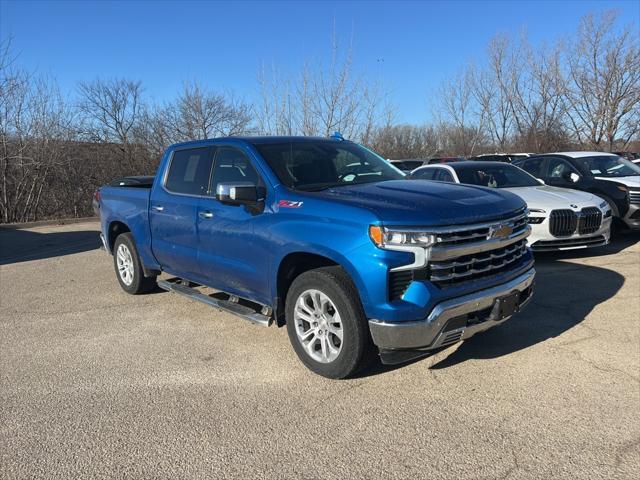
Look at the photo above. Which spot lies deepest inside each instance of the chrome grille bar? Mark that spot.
(446, 271)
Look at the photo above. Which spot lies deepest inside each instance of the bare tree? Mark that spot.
(405, 141)
(199, 114)
(35, 123)
(112, 110)
(321, 99)
(460, 119)
(275, 112)
(603, 92)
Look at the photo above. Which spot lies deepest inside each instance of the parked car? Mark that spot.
(561, 219)
(628, 155)
(631, 156)
(495, 157)
(285, 228)
(606, 175)
(407, 165)
(435, 160)
(500, 157)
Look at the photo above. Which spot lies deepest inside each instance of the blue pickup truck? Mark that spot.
(325, 236)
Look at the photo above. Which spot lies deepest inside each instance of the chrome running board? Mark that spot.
(240, 309)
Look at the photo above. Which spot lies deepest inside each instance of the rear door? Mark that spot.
(533, 166)
(228, 256)
(174, 207)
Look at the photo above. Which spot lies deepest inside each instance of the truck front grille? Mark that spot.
(590, 220)
(476, 265)
(462, 235)
(467, 253)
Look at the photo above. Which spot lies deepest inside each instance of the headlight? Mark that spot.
(383, 237)
(604, 206)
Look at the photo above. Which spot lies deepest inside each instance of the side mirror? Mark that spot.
(541, 181)
(237, 193)
(574, 177)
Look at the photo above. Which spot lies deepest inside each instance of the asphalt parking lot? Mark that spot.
(95, 383)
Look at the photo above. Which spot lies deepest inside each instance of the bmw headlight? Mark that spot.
(384, 237)
(604, 206)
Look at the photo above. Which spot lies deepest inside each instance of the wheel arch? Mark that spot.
(294, 264)
(115, 229)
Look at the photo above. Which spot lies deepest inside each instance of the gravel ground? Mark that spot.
(95, 383)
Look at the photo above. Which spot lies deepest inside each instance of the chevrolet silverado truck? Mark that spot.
(325, 236)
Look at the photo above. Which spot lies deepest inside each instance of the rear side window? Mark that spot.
(533, 167)
(189, 171)
(412, 164)
(232, 166)
(424, 174)
(443, 175)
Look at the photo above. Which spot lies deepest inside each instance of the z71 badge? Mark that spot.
(289, 204)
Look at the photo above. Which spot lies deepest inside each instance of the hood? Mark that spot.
(631, 181)
(549, 198)
(425, 203)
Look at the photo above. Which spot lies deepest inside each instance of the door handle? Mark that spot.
(157, 208)
(205, 214)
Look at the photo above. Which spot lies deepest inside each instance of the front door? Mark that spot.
(558, 172)
(228, 256)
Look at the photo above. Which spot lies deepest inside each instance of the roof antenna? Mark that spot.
(337, 136)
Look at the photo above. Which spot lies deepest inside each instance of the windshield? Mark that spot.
(496, 176)
(609, 166)
(309, 165)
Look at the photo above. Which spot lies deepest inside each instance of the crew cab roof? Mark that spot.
(259, 140)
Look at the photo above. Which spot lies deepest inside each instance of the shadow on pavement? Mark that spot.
(24, 245)
(565, 294)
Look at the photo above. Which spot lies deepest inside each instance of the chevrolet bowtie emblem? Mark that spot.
(500, 231)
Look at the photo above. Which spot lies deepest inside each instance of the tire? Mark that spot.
(315, 339)
(617, 223)
(128, 267)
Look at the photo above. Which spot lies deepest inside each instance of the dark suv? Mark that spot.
(609, 176)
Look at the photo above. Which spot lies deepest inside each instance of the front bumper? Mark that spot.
(632, 218)
(541, 240)
(449, 321)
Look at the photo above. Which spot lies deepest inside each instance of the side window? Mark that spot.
(559, 168)
(443, 175)
(533, 167)
(189, 171)
(424, 174)
(232, 166)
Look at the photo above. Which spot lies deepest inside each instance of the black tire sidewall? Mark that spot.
(339, 289)
(138, 285)
(617, 223)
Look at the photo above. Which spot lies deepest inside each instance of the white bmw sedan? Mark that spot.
(560, 219)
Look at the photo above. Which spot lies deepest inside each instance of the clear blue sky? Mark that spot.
(222, 44)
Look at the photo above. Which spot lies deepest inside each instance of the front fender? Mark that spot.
(343, 243)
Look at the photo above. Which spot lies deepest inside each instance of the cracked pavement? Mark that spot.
(95, 383)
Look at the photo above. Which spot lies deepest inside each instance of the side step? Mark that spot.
(216, 300)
